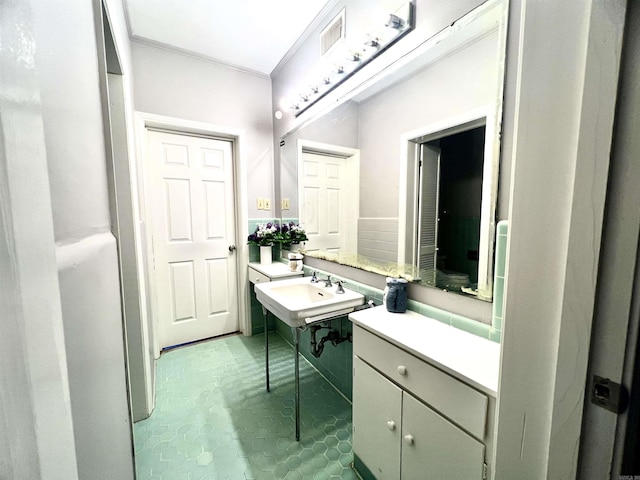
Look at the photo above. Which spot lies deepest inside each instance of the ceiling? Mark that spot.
(252, 35)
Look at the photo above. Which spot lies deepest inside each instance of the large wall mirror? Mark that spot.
(400, 177)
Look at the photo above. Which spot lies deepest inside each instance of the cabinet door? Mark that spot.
(377, 412)
(435, 449)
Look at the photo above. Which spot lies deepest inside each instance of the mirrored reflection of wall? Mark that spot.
(459, 74)
(339, 128)
(461, 82)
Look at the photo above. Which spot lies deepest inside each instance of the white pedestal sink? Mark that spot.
(298, 302)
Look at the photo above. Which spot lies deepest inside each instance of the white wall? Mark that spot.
(190, 88)
(66, 309)
(453, 86)
(563, 63)
(125, 212)
(66, 56)
(432, 16)
(36, 431)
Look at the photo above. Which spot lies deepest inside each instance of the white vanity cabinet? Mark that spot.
(377, 421)
(260, 273)
(397, 436)
(412, 419)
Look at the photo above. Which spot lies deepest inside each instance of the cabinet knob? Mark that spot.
(402, 370)
(391, 425)
(408, 439)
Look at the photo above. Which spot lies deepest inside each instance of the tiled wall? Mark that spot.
(461, 235)
(335, 363)
(499, 280)
(378, 239)
(492, 332)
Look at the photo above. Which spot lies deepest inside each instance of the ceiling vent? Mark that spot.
(332, 34)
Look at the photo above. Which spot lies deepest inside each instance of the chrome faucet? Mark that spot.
(327, 281)
(314, 278)
(340, 289)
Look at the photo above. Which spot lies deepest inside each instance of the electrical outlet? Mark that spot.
(286, 204)
(267, 204)
(260, 203)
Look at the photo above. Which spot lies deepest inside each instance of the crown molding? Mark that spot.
(197, 56)
(302, 38)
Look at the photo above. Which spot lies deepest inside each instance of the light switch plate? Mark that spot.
(267, 204)
(286, 204)
(260, 202)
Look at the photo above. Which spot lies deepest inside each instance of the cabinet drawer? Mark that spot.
(462, 404)
(257, 277)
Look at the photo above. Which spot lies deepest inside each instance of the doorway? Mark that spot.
(329, 196)
(235, 139)
(449, 208)
(189, 187)
(609, 441)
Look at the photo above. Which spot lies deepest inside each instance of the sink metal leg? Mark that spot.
(296, 337)
(266, 346)
(297, 367)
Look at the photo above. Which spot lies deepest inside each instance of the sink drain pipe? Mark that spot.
(333, 336)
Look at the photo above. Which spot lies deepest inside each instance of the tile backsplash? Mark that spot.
(335, 363)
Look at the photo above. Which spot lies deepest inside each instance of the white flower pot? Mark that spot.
(265, 254)
(294, 247)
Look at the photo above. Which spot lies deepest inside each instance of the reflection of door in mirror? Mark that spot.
(427, 234)
(324, 195)
(450, 209)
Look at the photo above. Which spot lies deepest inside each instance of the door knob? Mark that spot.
(232, 248)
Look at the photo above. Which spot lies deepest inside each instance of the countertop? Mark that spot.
(468, 357)
(275, 270)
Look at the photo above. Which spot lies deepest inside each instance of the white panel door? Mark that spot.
(322, 209)
(193, 214)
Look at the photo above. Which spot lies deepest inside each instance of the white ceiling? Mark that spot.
(252, 35)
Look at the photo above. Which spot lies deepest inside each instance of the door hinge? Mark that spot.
(485, 471)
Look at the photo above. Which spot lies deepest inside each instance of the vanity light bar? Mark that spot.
(344, 65)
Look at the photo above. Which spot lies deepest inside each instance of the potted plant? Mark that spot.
(292, 234)
(265, 236)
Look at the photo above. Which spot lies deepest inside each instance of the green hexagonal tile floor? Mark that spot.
(214, 420)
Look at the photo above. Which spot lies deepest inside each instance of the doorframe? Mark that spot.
(487, 115)
(615, 343)
(238, 138)
(352, 164)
